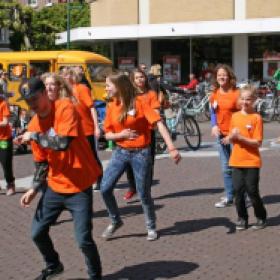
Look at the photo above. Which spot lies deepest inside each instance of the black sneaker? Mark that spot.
(260, 224)
(48, 273)
(241, 224)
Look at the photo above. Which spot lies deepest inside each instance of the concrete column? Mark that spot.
(145, 51)
(240, 9)
(144, 11)
(240, 56)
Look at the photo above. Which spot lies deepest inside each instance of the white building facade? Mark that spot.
(242, 33)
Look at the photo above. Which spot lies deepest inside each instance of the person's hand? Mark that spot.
(128, 134)
(235, 133)
(226, 140)
(215, 131)
(27, 198)
(175, 155)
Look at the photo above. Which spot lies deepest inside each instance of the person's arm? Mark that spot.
(4, 122)
(57, 142)
(95, 120)
(167, 139)
(39, 182)
(122, 135)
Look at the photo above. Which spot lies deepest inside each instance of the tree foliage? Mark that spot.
(36, 29)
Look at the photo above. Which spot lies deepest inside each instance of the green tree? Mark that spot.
(17, 19)
(36, 29)
(51, 20)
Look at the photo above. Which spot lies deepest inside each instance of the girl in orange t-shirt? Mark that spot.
(246, 134)
(128, 122)
(86, 110)
(223, 103)
(144, 92)
(6, 146)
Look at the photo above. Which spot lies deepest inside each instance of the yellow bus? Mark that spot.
(21, 65)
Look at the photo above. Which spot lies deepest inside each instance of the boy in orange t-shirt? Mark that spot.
(65, 172)
(246, 134)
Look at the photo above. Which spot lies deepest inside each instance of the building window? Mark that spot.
(258, 46)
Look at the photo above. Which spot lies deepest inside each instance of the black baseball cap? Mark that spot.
(31, 87)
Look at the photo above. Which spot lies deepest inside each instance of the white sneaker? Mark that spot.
(223, 203)
(152, 235)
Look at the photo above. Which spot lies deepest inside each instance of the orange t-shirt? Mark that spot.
(5, 131)
(250, 126)
(140, 119)
(224, 105)
(75, 169)
(150, 98)
(83, 106)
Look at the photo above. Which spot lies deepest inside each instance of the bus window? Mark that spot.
(99, 72)
(1, 66)
(17, 71)
(39, 68)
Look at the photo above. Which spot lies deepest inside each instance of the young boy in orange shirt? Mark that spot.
(246, 134)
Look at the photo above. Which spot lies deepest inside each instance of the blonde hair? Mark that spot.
(251, 89)
(126, 93)
(155, 70)
(64, 89)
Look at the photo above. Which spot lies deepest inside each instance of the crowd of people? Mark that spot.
(63, 133)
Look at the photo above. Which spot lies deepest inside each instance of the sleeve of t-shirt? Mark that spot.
(66, 119)
(5, 110)
(258, 131)
(107, 125)
(39, 154)
(150, 114)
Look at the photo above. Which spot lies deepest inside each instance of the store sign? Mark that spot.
(126, 63)
(271, 62)
(172, 68)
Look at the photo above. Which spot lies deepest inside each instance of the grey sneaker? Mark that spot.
(152, 235)
(260, 224)
(109, 231)
(241, 224)
(224, 203)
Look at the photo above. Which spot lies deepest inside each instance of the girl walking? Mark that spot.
(223, 103)
(246, 134)
(128, 121)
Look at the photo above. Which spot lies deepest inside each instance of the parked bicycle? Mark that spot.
(180, 123)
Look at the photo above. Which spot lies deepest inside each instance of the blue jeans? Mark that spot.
(140, 161)
(225, 151)
(79, 205)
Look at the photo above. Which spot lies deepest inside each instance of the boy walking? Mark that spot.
(65, 172)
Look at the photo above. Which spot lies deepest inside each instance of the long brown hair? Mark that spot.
(231, 76)
(132, 79)
(126, 93)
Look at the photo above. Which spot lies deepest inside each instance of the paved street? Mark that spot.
(197, 240)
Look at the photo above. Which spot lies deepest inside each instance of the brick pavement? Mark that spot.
(197, 241)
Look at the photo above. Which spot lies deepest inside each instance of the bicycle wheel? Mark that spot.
(192, 133)
(160, 144)
(267, 111)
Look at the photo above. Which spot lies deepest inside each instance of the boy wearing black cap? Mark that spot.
(56, 137)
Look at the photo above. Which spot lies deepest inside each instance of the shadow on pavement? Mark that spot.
(189, 226)
(271, 199)
(126, 211)
(153, 270)
(190, 193)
